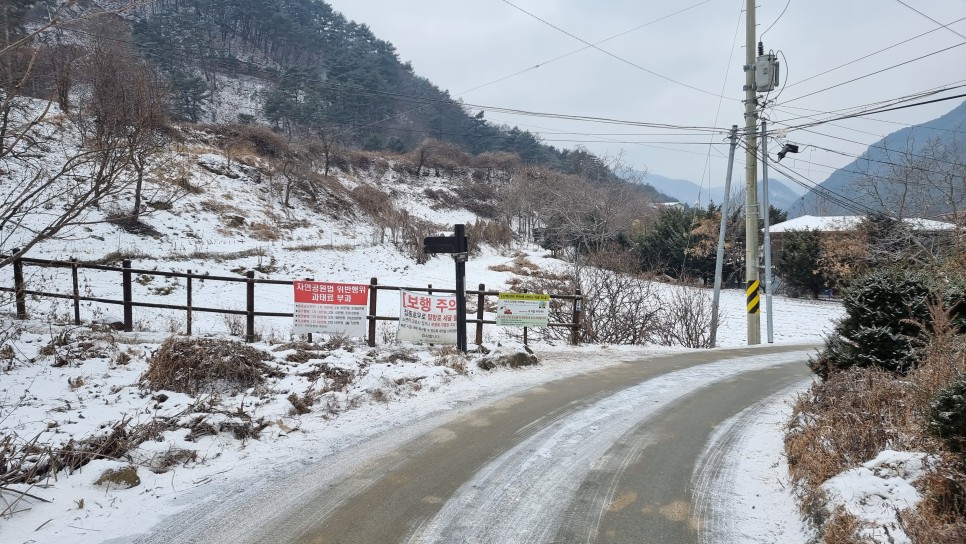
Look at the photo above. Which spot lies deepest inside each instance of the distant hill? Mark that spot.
(781, 193)
(879, 162)
(297, 66)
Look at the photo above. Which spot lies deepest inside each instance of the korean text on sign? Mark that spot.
(427, 318)
(330, 308)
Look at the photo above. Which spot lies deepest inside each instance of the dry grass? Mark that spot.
(520, 266)
(939, 519)
(478, 197)
(263, 232)
(845, 421)
(443, 199)
(301, 405)
(842, 528)
(494, 233)
(248, 139)
(853, 415)
(185, 185)
(372, 201)
(219, 207)
(204, 365)
(30, 462)
(452, 358)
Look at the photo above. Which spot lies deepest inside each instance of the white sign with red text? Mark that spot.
(330, 308)
(427, 318)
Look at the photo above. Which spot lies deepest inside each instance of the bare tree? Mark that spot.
(686, 318)
(52, 183)
(920, 181)
(586, 217)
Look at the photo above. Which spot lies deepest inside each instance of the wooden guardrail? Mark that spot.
(21, 292)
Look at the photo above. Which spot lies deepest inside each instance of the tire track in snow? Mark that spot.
(523, 495)
(736, 480)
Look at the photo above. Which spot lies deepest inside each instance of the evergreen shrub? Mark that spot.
(947, 416)
(886, 310)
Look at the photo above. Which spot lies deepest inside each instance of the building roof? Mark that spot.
(840, 223)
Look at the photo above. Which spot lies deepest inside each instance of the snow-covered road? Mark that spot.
(566, 461)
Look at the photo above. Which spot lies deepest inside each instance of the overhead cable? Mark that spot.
(933, 20)
(876, 72)
(608, 53)
(897, 44)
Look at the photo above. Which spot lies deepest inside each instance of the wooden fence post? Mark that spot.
(429, 291)
(20, 291)
(76, 285)
(128, 295)
(575, 331)
(480, 302)
(250, 307)
(308, 336)
(525, 328)
(188, 304)
(372, 311)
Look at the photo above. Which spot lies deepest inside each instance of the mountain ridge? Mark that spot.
(886, 161)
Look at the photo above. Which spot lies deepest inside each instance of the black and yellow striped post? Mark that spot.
(754, 299)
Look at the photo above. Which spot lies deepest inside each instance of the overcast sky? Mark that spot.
(460, 45)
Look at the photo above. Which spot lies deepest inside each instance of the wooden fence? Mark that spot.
(127, 297)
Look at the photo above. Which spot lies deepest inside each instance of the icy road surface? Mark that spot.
(646, 451)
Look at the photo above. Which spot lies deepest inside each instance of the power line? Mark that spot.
(878, 110)
(933, 20)
(875, 175)
(717, 114)
(874, 146)
(871, 54)
(821, 191)
(574, 52)
(762, 36)
(876, 72)
(446, 101)
(608, 53)
(891, 101)
(610, 140)
(541, 64)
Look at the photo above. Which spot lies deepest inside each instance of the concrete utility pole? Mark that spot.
(719, 258)
(751, 181)
(769, 286)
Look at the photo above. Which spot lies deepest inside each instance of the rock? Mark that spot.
(519, 359)
(486, 364)
(512, 360)
(124, 478)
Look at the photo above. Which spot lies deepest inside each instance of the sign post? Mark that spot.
(459, 247)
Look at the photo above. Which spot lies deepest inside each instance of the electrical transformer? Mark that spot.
(766, 73)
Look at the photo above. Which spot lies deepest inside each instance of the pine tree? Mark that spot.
(798, 263)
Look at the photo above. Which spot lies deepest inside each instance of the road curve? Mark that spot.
(601, 457)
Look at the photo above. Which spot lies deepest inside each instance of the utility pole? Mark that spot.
(719, 259)
(769, 286)
(751, 181)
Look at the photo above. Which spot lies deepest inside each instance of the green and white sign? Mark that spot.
(523, 310)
